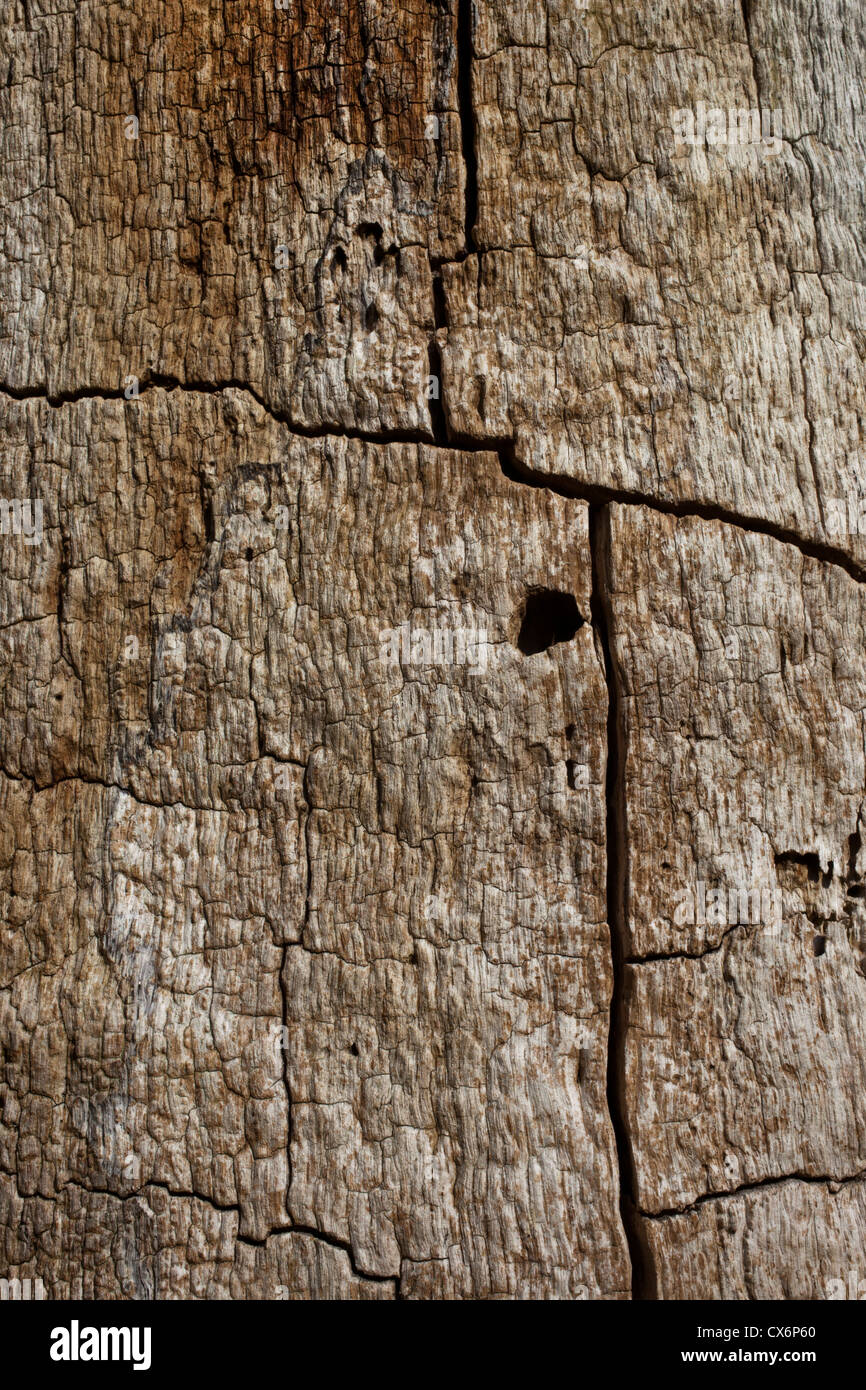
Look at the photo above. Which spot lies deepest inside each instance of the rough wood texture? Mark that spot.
(744, 1055)
(432, 632)
(678, 320)
(789, 1240)
(257, 129)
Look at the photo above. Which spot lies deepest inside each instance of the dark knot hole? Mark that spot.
(548, 617)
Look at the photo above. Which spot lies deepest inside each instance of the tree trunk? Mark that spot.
(432, 634)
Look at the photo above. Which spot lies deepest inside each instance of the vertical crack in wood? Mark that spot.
(644, 1284)
(467, 121)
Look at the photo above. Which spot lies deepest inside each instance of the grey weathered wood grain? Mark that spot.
(345, 939)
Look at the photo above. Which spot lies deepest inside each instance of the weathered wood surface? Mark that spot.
(743, 705)
(678, 320)
(417, 881)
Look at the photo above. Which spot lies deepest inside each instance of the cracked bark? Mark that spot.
(335, 964)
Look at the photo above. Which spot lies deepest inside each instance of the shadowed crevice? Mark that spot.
(467, 121)
(644, 1282)
(549, 617)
